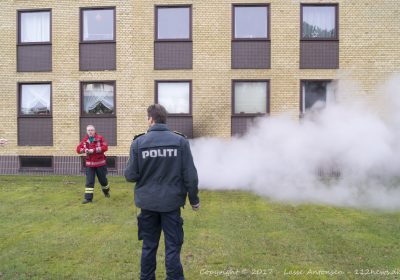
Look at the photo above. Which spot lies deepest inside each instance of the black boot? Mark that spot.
(106, 190)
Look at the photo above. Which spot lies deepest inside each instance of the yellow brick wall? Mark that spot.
(369, 34)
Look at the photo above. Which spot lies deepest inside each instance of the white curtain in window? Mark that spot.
(319, 22)
(95, 94)
(35, 99)
(250, 97)
(175, 97)
(35, 27)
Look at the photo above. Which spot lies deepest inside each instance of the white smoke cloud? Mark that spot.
(280, 156)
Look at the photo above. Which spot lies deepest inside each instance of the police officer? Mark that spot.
(162, 166)
(94, 146)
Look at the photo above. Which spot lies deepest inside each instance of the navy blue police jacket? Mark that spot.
(162, 166)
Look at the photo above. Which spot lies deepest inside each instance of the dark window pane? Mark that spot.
(35, 99)
(98, 98)
(251, 22)
(98, 25)
(36, 162)
(319, 22)
(35, 27)
(315, 94)
(250, 97)
(173, 23)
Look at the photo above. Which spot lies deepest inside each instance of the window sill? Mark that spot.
(250, 115)
(320, 39)
(35, 116)
(173, 40)
(99, 116)
(97, 42)
(179, 115)
(250, 39)
(34, 44)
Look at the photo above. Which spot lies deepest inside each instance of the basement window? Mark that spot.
(36, 163)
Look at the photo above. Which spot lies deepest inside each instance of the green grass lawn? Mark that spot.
(46, 233)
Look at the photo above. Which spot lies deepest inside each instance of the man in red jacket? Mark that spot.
(94, 146)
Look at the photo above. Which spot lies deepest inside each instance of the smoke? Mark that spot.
(347, 154)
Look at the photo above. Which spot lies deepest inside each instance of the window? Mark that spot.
(35, 100)
(250, 46)
(319, 21)
(175, 96)
(34, 26)
(36, 162)
(250, 22)
(173, 23)
(316, 94)
(98, 24)
(98, 109)
(35, 123)
(250, 97)
(34, 47)
(319, 40)
(98, 98)
(173, 47)
(97, 46)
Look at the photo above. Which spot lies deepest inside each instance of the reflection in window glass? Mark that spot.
(175, 97)
(98, 98)
(316, 94)
(319, 22)
(250, 97)
(251, 22)
(98, 24)
(35, 99)
(173, 23)
(35, 27)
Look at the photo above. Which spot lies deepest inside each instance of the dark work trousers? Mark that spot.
(91, 173)
(150, 224)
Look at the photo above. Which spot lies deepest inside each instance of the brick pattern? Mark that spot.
(62, 165)
(67, 165)
(9, 164)
(121, 164)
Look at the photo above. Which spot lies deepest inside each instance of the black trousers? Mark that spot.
(91, 173)
(150, 224)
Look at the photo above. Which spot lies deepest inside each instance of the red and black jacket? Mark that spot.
(99, 147)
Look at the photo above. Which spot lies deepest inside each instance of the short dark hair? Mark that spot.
(158, 113)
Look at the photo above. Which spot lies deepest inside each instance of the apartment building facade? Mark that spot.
(215, 65)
